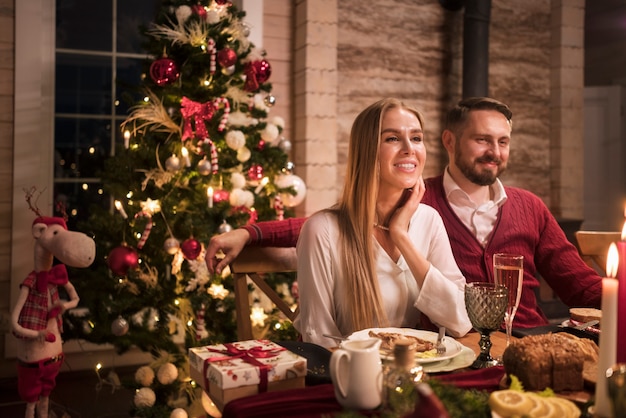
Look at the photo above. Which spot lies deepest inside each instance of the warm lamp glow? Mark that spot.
(612, 261)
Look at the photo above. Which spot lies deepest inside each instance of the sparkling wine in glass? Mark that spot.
(486, 304)
(508, 270)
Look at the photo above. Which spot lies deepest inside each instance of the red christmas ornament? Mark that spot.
(221, 2)
(226, 57)
(255, 172)
(261, 145)
(220, 196)
(121, 259)
(191, 248)
(164, 71)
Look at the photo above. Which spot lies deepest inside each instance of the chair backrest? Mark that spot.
(253, 263)
(594, 246)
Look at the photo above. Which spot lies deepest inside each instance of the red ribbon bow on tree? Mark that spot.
(199, 112)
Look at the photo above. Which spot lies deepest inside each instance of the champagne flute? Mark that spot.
(508, 270)
(486, 304)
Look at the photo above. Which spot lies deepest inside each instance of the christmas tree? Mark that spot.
(197, 156)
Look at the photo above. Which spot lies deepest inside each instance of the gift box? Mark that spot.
(234, 370)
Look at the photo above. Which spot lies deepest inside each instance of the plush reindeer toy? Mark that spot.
(36, 317)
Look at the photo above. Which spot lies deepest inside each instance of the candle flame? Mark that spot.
(612, 261)
(185, 152)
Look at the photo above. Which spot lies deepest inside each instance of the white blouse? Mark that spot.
(320, 279)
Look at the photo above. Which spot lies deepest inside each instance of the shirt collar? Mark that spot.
(450, 186)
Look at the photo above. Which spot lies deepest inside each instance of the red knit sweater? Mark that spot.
(524, 226)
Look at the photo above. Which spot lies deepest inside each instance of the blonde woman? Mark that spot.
(379, 258)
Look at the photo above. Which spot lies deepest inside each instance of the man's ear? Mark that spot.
(448, 140)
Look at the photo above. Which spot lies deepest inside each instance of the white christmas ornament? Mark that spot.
(172, 163)
(269, 133)
(171, 245)
(212, 17)
(183, 13)
(278, 121)
(179, 413)
(144, 375)
(243, 154)
(237, 180)
(145, 398)
(285, 181)
(240, 197)
(167, 374)
(235, 140)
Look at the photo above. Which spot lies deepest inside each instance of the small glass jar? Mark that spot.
(399, 392)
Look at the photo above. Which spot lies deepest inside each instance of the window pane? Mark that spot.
(84, 24)
(81, 146)
(83, 84)
(128, 86)
(77, 198)
(131, 15)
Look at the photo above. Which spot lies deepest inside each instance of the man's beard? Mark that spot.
(481, 178)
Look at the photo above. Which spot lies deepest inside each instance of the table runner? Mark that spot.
(315, 401)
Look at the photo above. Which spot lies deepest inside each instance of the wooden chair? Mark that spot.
(593, 247)
(252, 263)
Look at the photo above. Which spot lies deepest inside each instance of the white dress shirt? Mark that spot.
(479, 219)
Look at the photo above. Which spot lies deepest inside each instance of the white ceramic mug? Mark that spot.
(357, 375)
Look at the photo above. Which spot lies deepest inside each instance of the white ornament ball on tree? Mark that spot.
(144, 375)
(278, 121)
(171, 245)
(284, 145)
(224, 227)
(145, 398)
(237, 180)
(239, 197)
(167, 374)
(235, 140)
(204, 167)
(183, 13)
(243, 154)
(119, 326)
(172, 163)
(179, 413)
(285, 181)
(270, 133)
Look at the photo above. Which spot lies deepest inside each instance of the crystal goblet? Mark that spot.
(486, 305)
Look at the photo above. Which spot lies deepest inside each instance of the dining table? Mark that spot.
(318, 400)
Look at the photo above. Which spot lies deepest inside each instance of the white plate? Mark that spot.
(453, 347)
(463, 360)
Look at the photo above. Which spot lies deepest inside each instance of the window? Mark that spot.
(98, 60)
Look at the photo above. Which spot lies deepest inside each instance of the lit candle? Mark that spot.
(126, 139)
(261, 185)
(209, 195)
(120, 208)
(621, 299)
(608, 340)
(186, 157)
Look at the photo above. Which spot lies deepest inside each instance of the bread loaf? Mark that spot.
(546, 361)
(585, 314)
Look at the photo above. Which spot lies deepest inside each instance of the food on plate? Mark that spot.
(512, 403)
(547, 361)
(585, 314)
(389, 339)
(591, 353)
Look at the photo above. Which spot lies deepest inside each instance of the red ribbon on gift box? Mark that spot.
(250, 356)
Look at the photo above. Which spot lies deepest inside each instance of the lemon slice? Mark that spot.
(570, 410)
(510, 402)
(541, 407)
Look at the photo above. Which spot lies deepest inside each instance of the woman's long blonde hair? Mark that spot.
(356, 214)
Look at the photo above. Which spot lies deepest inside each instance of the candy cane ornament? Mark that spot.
(212, 49)
(147, 229)
(224, 120)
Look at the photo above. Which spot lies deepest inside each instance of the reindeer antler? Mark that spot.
(60, 207)
(29, 199)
